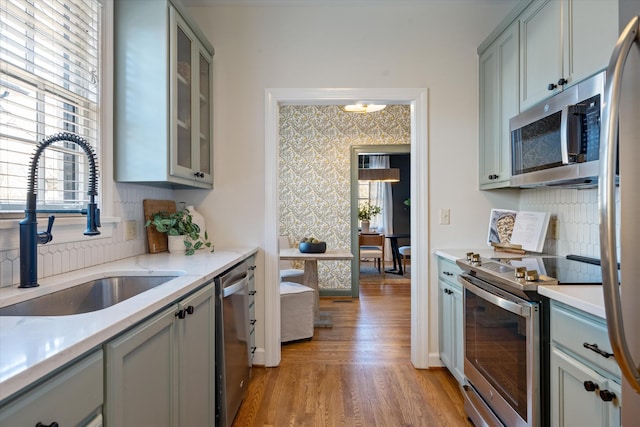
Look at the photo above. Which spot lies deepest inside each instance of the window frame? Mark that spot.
(53, 107)
(69, 228)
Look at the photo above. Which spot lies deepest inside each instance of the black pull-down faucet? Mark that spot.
(29, 234)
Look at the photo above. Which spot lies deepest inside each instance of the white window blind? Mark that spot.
(49, 71)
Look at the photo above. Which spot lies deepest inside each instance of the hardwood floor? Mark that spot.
(357, 373)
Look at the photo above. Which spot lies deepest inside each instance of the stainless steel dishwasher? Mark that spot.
(232, 334)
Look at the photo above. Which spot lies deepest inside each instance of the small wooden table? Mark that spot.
(310, 278)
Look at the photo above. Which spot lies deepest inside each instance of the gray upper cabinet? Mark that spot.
(163, 96)
(563, 42)
(541, 47)
(498, 103)
(540, 51)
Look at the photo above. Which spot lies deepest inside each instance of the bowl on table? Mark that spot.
(312, 248)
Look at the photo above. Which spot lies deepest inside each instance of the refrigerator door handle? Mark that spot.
(606, 201)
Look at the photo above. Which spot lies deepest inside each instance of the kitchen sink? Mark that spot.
(85, 297)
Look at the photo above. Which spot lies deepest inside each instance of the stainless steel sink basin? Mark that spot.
(86, 297)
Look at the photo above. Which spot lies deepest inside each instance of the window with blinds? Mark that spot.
(49, 72)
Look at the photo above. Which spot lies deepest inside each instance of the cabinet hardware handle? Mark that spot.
(190, 309)
(551, 86)
(53, 424)
(253, 267)
(253, 321)
(252, 292)
(253, 349)
(562, 81)
(590, 386)
(607, 395)
(594, 347)
(199, 175)
(181, 314)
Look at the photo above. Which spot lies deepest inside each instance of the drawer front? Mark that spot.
(572, 329)
(67, 398)
(448, 270)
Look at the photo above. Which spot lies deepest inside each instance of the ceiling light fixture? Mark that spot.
(362, 108)
(379, 175)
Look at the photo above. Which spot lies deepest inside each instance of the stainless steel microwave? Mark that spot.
(557, 142)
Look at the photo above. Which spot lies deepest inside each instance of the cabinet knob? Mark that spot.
(181, 314)
(199, 175)
(252, 292)
(562, 81)
(494, 176)
(190, 309)
(590, 386)
(607, 395)
(552, 86)
(53, 424)
(253, 321)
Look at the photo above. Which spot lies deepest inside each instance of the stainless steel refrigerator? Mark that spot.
(619, 208)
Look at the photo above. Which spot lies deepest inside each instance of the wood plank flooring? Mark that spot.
(357, 373)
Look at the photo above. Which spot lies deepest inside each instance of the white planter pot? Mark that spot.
(176, 244)
(364, 226)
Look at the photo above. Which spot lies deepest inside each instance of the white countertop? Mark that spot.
(588, 298)
(32, 347)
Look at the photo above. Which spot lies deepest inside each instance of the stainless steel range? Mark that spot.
(506, 335)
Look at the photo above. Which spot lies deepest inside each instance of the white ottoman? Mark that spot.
(296, 311)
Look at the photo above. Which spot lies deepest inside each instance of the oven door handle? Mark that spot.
(511, 306)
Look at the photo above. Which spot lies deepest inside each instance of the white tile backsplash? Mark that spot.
(576, 212)
(64, 257)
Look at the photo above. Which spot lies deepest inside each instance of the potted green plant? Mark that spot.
(365, 212)
(181, 231)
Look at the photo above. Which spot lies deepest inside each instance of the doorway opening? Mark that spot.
(398, 154)
(417, 100)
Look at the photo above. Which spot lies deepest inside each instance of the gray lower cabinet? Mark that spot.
(71, 398)
(451, 318)
(585, 379)
(162, 372)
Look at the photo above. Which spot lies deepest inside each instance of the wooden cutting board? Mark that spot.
(157, 241)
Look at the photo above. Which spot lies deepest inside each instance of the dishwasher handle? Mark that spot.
(234, 287)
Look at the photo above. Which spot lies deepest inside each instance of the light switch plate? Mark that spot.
(445, 216)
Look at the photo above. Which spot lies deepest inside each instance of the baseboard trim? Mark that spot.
(335, 292)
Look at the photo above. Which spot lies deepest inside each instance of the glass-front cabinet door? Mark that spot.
(183, 84)
(205, 136)
(191, 102)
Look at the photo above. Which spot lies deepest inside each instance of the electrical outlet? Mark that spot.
(445, 216)
(130, 230)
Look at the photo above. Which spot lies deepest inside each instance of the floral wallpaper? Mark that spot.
(315, 152)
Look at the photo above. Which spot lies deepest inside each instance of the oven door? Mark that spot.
(501, 335)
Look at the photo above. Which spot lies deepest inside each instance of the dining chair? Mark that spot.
(372, 246)
(405, 251)
(287, 272)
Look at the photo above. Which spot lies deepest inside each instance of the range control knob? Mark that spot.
(475, 259)
(520, 272)
(532, 276)
(469, 256)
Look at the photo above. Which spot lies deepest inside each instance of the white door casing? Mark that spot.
(417, 99)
